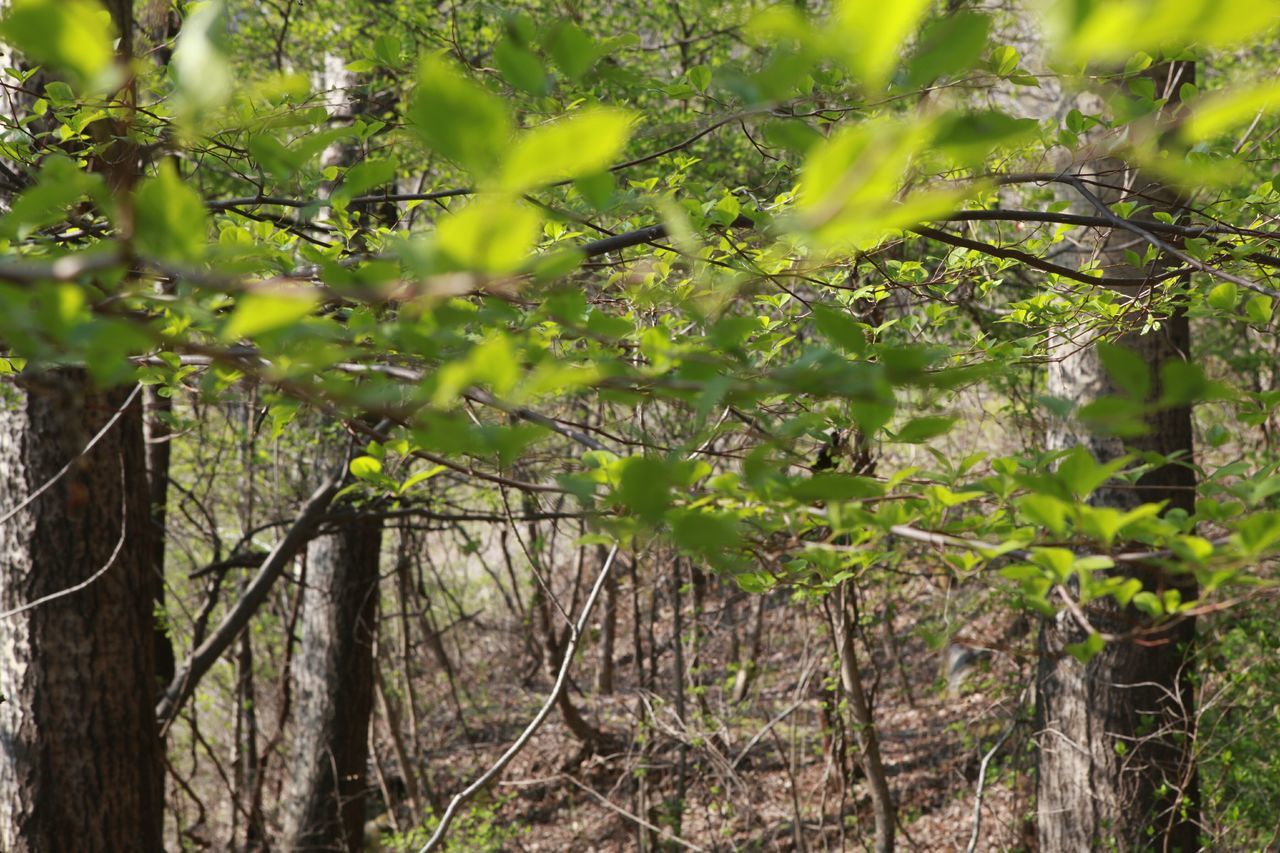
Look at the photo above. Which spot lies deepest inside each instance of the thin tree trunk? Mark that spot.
(677, 671)
(608, 629)
(333, 681)
(1116, 734)
(157, 434)
(747, 667)
(80, 759)
(864, 726)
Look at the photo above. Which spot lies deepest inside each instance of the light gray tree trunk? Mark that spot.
(1115, 735)
(80, 755)
(333, 678)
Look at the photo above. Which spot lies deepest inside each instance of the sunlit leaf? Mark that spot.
(266, 311)
(74, 36)
(458, 118)
(873, 32)
(491, 235)
(170, 220)
(586, 142)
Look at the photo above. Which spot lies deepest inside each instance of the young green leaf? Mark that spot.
(170, 219)
(74, 36)
(264, 311)
(459, 119)
(586, 142)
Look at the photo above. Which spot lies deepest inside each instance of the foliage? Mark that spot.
(836, 232)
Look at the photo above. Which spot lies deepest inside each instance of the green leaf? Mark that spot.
(1149, 603)
(834, 487)
(170, 220)
(1059, 562)
(491, 235)
(1106, 31)
(841, 329)
(1223, 296)
(387, 48)
(948, 46)
(74, 36)
(59, 185)
(586, 142)
(969, 138)
(644, 485)
(922, 429)
(850, 188)
(1126, 368)
(700, 77)
(948, 498)
(459, 119)
(1045, 510)
(366, 468)
(871, 34)
(1215, 114)
(792, 134)
(365, 176)
(420, 477)
(264, 311)
(1004, 60)
(1258, 310)
(1086, 650)
(1082, 474)
(704, 532)
(520, 67)
(1182, 382)
(571, 49)
(204, 76)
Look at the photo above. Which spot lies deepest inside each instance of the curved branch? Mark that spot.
(203, 658)
(562, 679)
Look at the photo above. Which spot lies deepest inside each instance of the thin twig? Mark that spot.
(982, 775)
(614, 807)
(111, 561)
(512, 751)
(119, 413)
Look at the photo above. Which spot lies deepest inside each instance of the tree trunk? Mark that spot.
(158, 438)
(333, 678)
(747, 667)
(80, 754)
(864, 725)
(608, 629)
(1115, 759)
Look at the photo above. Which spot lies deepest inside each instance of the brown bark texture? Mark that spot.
(80, 754)
(1115, 764)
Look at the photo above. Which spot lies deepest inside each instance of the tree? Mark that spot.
(1116, 761)
(82, 764)
(610, 281)
(334, 675)
(82, 761)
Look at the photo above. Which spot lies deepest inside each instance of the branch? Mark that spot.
(562, 679)
(66, 268)
(982, 775)
(1037, 263)
(203, 658)
(1138, 230)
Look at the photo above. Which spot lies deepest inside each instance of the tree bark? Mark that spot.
(158, 444)
(1115, 758)
(333, 681)
(608, 631)
(864, 725)
(80, 754)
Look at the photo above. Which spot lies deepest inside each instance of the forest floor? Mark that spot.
(762, 774)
